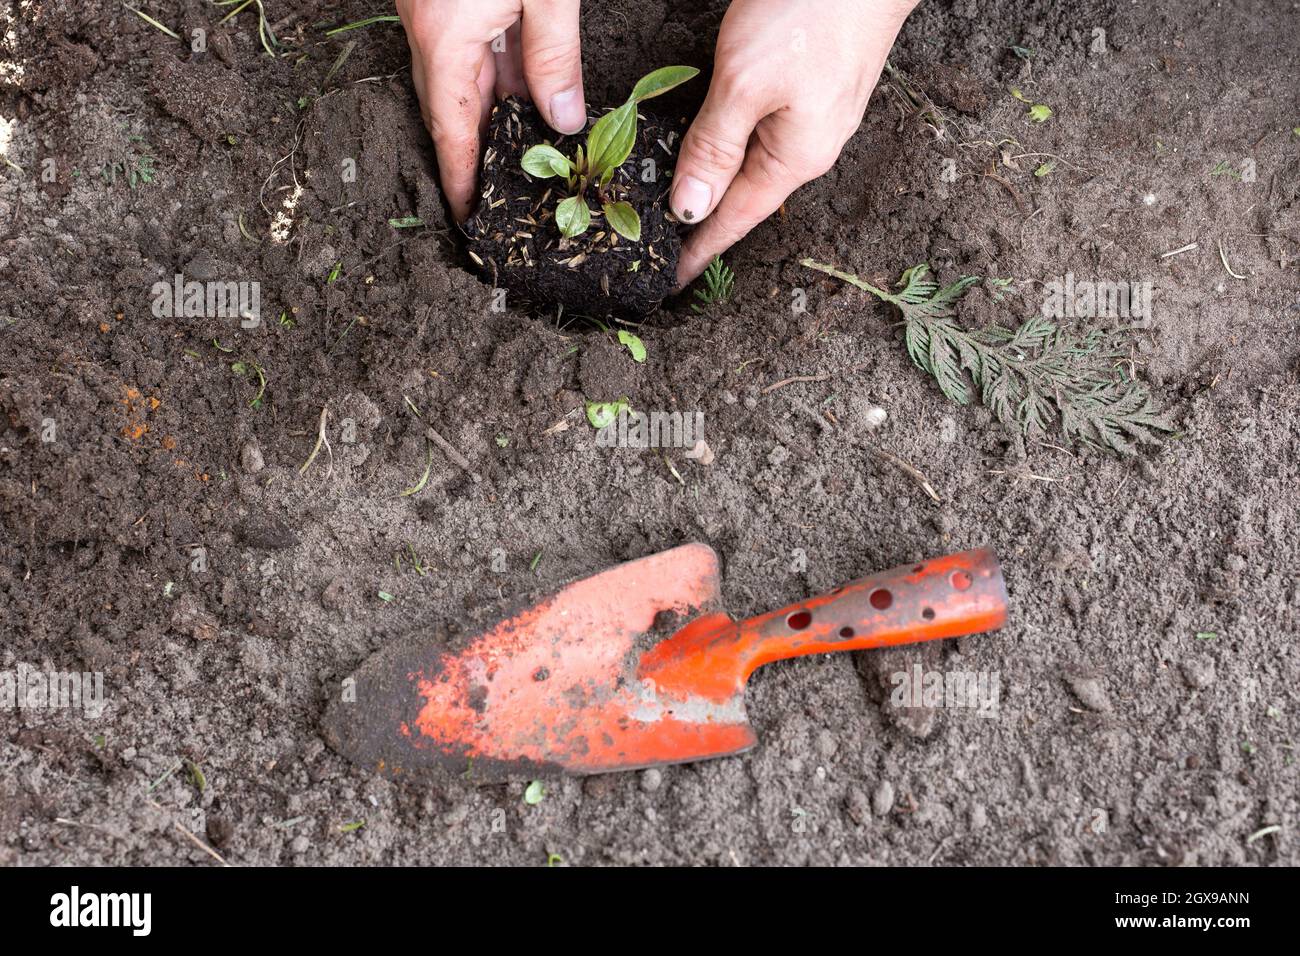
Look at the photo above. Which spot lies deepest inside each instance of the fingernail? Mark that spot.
(568, 112)
(691, 198)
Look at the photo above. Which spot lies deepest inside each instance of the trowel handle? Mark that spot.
(942, 597)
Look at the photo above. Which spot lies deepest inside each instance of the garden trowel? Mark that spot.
(634, 667)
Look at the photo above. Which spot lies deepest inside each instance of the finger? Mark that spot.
(510, 66)
(487, 81)
(552, 57)
(713, 150)
(756, 192)
(455, 109)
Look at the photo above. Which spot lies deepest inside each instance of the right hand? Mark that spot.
(458, 75)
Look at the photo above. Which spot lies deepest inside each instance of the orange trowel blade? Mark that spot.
(634, 667)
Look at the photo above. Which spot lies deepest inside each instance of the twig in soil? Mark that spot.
(1028, 474)
(1081, 169)
(450, 451)
(793, 379)
(676, 474)
(152, 22)
(320, 440)
(289, 158)
(199, 843)
(1008, 187)
(1223, 257)
(424, 479)
(1190, 247)
(915, 473)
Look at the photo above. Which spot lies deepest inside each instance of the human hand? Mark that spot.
(459, 71)
(791, 80)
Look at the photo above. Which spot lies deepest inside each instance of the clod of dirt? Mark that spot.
(1198, 674)
(250, 456)
(515, 241)
(1087, 688)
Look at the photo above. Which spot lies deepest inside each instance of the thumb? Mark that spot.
(712, 154)
(552, 54)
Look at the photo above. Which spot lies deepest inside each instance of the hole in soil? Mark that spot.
(846, 632)
(961, 580)
(798, 620)
(881, 599)
(928, 613)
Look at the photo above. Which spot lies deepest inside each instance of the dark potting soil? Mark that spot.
(515, 241)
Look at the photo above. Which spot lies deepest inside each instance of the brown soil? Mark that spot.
(157, 523)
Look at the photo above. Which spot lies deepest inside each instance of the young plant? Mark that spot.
(609, 144)
(718, 283)
(1034, 377)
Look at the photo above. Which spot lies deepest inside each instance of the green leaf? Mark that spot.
(1045, 169)
(600, 414)
(406, 222)
(611, 140)
(622, 218)
(572, 216)
(535, 793)
(545, 161)
(1039, 112)
(661, 81)
(633, 345)
(385, 597)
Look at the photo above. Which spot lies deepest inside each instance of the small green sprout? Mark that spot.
(608, 146)
(535, 793)
(1045, 169)
(718, 284)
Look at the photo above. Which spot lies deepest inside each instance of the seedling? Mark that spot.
(609, 144)
(718, 283)
(1032, 377)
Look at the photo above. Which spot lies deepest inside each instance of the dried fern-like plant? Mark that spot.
(1035, 377)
